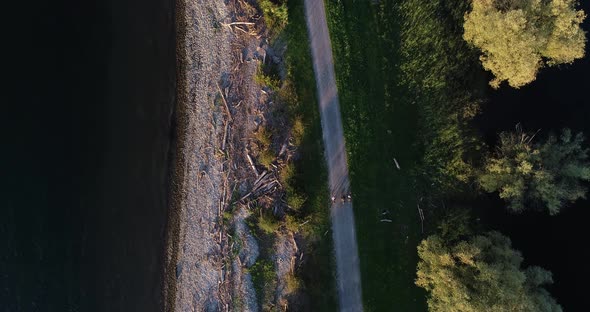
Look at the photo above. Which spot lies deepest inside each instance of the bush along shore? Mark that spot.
(295, 266)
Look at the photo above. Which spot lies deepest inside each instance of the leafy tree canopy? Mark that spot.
(549, 174)
(518, 37)
(481, 274)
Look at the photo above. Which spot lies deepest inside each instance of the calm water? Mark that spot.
(559, 98)
(86, 130)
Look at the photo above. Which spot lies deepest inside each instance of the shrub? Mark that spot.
(287, 94)
(455, 224)
(275, 15)
(263, 137)
(292, 283)
(263, 278)
(227, 216)
(266, 80)
(291, 224)
(295, 201)
(266, 157)
(297, 130)
(287, 174)
(267, 223)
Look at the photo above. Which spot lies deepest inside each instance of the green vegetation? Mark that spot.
(481, 274)
(268, 76)
(547, 175)
(294, 200)
(518, 37)
(267, 223)
(266, 157)
(276, 16)
(455, 224)
(264, 279)
(262, 136)
(292, 283)
(287, 173)
(405, 78)
(438, 77)
(409, 87)
(380, 124)
(308, 215)
(310, 177)
(265, 153)
(265, 228)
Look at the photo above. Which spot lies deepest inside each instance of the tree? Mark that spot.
(543, 175)
(519, 37)
(481, 274)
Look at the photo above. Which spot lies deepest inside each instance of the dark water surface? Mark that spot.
(86, 127)
(559, 98)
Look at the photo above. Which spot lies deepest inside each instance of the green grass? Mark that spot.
(398, 67)
(379, 125)
(443, 77)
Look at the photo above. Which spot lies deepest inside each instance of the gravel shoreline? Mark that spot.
(219, 108)
(193, 268)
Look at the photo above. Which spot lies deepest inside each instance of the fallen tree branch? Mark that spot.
(251, 163)
(259, 178)
(396, 163)
(244, 197)
(283, 149)
(224, 136)
(224, 102)
(238, 23)
(421, 214)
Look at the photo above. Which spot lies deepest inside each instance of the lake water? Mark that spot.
(86, 131)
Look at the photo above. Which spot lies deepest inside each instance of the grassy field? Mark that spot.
(380, 125)
(401, 69)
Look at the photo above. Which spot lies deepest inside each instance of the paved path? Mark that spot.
(343, 228)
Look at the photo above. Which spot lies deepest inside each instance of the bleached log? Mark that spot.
(251, 163)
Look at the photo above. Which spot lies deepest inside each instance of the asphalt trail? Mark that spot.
(343, 228)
